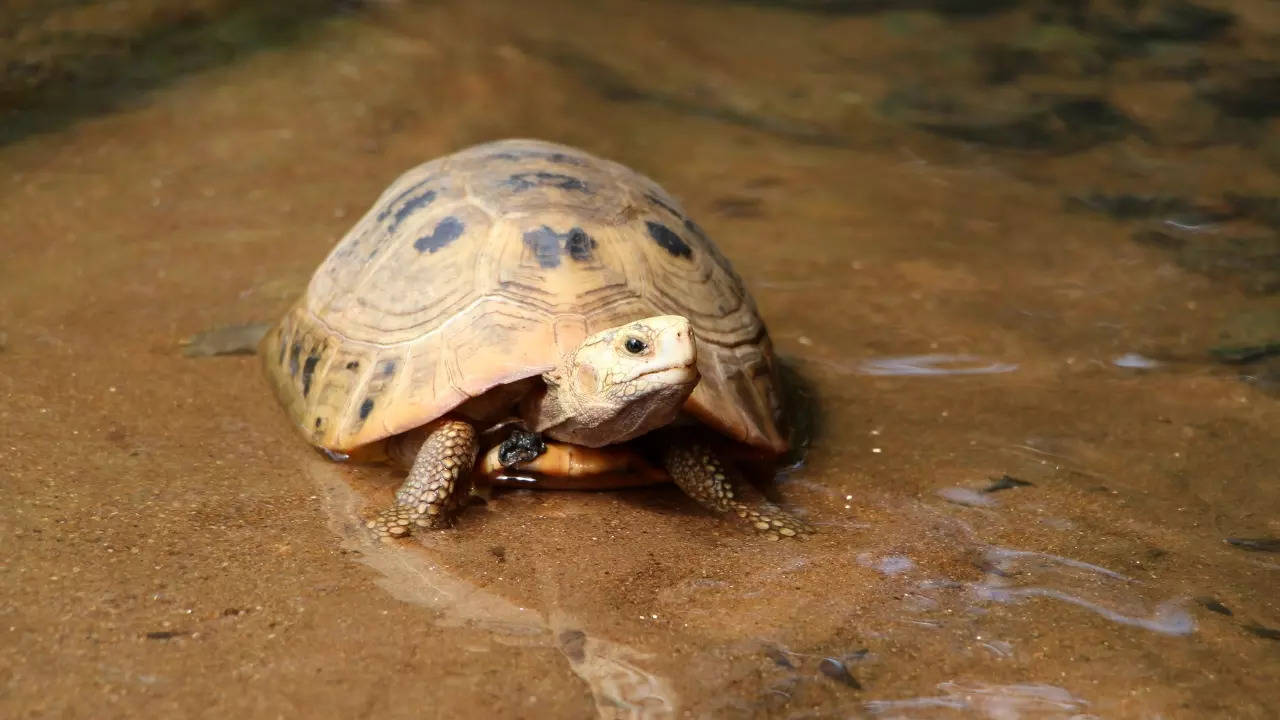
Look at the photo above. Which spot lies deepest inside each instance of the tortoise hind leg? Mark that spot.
(718, 486)
(429, 493)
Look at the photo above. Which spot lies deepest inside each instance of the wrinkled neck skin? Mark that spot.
(589, 403)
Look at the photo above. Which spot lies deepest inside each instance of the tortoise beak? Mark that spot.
(675, 360)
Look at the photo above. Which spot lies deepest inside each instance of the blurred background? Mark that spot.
(1021, 260)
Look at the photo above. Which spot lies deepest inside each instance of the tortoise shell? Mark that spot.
(483, 268)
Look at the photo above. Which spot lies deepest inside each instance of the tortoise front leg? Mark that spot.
(718, 486)
(428, 495)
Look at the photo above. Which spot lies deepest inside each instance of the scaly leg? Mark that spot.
(719, 487)
(426, 497)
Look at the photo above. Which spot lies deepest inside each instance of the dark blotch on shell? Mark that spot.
(447, 230)
(668, 240)
(524, 181)
(693, 227)
(366, 407)
(563, 159)
(294, 352)
(308, 369)
(545, 245)
(411, 206)
(555, 157)
(389, 208)
(579, 245)
(663, 204)
(548, 245)
(353, 365)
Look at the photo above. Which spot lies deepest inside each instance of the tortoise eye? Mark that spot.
(635, 345)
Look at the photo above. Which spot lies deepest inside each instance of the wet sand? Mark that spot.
(1008, 243)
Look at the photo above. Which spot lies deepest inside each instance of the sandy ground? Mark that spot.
(170, 546)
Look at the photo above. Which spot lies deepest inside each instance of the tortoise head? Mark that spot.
(619, 383)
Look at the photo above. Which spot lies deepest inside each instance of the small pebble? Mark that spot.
(228, 340)
(1212, 605)
(836, 670)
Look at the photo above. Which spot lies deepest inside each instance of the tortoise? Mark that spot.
(527, 280)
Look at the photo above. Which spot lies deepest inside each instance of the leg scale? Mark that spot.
(718, 486)
(428, 496)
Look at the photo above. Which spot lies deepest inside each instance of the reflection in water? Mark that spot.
(935, 365)
(1013, 575)
(622, 689)
(996, 702)
(966, 496)
(1134, 361)
(887, 564)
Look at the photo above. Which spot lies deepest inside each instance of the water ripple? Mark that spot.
(937, 364)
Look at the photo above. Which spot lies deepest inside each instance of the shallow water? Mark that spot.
(1023, 259)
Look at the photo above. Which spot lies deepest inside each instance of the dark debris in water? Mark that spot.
(1262, 544)
(863, 7)
(1263, 209)
(1250, 262)
(1260, 209)
(1263, 631)
(165, 634)
(1132, 206)
(1265, 376)
(613, 84)
(54, 73)
(1005, 482)
(779, 657)
(836, 670)
(1251, 91)
(1133, 22)
(1242, 354)
(1060, 44)
(1213, 605)
(1054, 125)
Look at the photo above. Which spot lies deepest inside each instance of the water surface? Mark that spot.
(1024, 257)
